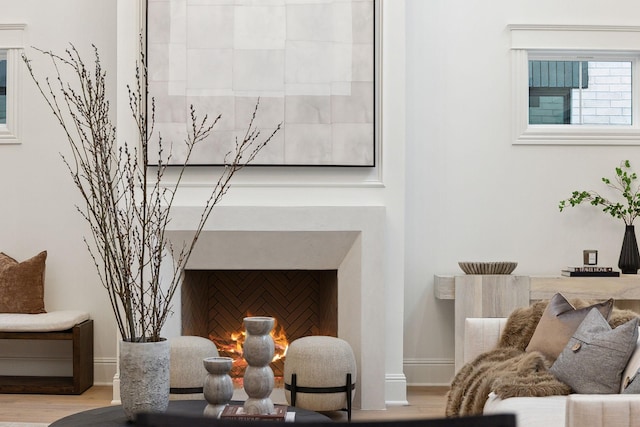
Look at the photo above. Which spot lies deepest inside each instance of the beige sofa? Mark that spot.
(575, 410)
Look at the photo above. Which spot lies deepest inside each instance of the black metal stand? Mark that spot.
(348, 388)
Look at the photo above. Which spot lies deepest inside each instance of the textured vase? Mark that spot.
(218, 387)
(629, 261)
(258, 351)
(144, 377)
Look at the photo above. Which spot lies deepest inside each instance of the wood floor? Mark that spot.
(424, 402)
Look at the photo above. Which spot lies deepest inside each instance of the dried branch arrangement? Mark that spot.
(127, 204)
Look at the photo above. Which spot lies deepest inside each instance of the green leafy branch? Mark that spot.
(623, 183)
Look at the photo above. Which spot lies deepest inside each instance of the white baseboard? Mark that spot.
(104, 368)
(395, 390)
(429, 372)
(116, 390)
(417, 372)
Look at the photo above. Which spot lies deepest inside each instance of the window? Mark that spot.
(594, 92)
(3, 87)
(575, 85)
(10, 47)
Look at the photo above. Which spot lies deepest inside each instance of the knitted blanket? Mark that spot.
(509, 371)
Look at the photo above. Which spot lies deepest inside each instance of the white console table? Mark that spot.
(499, 295)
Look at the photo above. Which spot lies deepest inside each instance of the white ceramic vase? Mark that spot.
(258, 351)
(218, 387)
(144, 377)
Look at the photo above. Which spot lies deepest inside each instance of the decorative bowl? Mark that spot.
(499, 267)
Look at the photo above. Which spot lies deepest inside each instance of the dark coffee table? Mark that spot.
(112, 416)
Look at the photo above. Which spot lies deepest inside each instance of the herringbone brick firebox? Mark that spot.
(304, 302)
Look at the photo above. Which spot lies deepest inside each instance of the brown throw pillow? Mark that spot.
(558, 323)
(22, 284)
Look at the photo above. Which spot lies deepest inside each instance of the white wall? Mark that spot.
(471, 195)
(37, 196)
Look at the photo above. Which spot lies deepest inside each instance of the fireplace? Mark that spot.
(214, 302)
(347, 239)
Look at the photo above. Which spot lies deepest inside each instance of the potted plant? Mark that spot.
(625, 184)
(127, 205)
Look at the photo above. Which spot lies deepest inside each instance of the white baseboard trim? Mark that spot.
(429, 372)
(417, 372)
(395, 390)
(116, 390)
(104, 368)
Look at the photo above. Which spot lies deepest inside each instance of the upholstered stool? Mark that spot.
(187, 372)
(320, 374)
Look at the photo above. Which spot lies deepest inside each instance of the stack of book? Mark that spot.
(236, 412)
(590, 271)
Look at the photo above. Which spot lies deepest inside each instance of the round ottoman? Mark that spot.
(320, 374)
(187, 372)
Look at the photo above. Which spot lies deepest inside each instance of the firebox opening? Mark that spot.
(304, 302)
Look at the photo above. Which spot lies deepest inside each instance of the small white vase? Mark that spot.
(144, 377)
(258, 351)
(218, 387)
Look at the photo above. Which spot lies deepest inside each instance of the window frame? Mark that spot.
(3, 58)
(11, 41)
(574, 43)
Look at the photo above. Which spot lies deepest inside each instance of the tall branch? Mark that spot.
(127, 208)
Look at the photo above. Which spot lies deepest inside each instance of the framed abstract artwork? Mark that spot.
(309, 62)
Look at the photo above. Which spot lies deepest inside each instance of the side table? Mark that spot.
(499, 295)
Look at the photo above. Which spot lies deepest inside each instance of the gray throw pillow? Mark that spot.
(595, 356)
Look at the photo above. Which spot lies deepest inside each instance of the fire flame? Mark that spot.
(232, 347)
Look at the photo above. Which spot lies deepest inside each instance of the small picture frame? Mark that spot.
(590, 257)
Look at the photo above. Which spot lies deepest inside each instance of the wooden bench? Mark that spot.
(74, 326)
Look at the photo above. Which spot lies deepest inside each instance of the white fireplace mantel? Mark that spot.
(349, 239)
